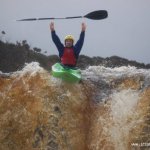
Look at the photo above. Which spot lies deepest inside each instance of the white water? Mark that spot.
(123, 113)
(30, 68)
(108, 74)
(93, 72)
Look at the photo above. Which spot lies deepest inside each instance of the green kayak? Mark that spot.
(66, 73)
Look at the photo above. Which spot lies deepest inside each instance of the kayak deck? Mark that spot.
(65, 73)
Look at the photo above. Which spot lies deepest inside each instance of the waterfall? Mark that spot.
(109, 109)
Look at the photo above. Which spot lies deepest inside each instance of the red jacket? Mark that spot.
(68, 57)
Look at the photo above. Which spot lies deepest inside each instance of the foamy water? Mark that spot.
(123, 113)
(108, 74)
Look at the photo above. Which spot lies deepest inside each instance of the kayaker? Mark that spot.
(68, 52)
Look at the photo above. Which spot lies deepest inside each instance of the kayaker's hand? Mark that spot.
(52, 28)
(83, 26)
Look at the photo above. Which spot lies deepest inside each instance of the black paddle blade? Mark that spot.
(97, 15)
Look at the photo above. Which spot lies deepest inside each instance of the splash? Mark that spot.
(124, 117)
(108, 110)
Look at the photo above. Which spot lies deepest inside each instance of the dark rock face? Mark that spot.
(14, 56)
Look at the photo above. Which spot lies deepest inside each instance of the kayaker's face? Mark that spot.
(68, 43)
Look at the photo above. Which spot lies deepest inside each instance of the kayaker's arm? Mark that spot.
(80, 42)
(56, 39)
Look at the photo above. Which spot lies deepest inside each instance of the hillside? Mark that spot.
(14, 56)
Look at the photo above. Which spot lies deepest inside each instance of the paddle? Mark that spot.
(95, 15)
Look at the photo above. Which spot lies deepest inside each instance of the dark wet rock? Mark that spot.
(38, 137)
(57, 109)
(52, 145)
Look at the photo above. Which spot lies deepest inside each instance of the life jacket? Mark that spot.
(68, 57)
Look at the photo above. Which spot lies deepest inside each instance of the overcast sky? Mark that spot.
(125, 33)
